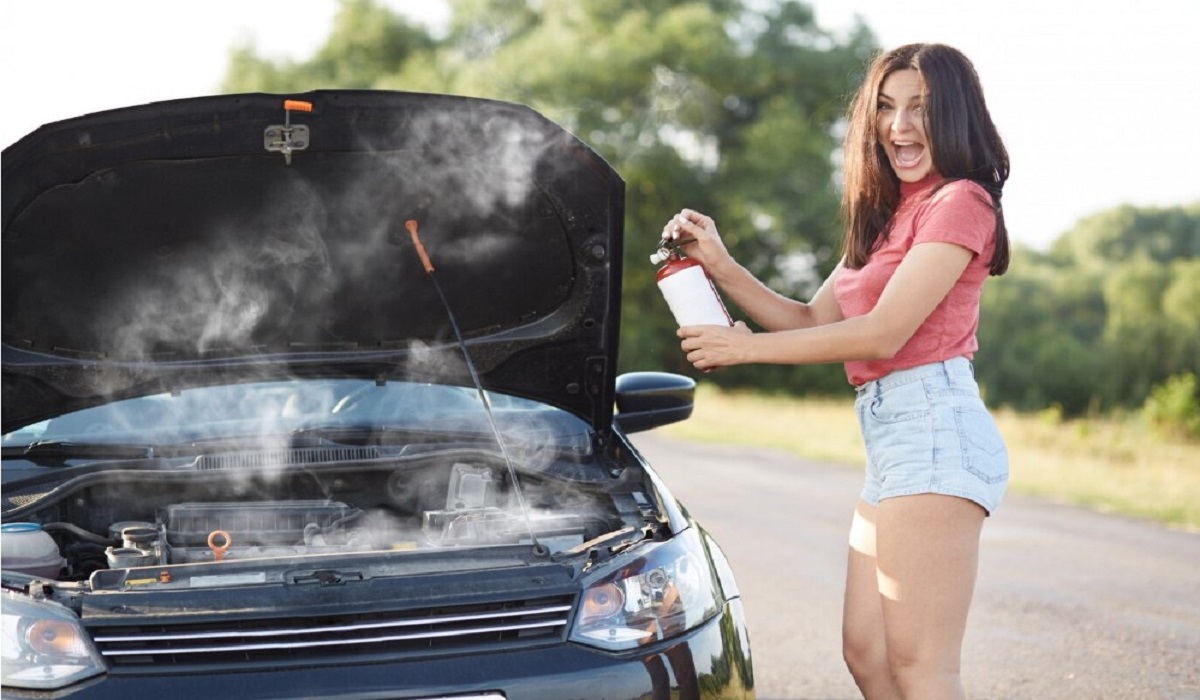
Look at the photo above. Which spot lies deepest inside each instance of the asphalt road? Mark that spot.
(1070, 604)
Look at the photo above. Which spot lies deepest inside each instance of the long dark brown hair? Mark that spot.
(964, 142)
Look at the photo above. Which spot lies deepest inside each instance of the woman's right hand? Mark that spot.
(705, 247)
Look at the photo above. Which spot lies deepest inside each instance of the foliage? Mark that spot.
(1126, 231)
(367, 41)
(1174, 406)
(1108, 314)
(734, 107)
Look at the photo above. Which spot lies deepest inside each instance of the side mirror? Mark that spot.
(648, 400)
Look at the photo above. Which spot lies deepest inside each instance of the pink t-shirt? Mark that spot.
(959, 213)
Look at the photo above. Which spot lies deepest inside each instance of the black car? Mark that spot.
(316, 397)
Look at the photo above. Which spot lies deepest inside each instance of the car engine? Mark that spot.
(117, 519)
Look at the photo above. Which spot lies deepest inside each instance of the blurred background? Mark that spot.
(736, 107)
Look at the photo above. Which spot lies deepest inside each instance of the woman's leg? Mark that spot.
(863, 645)
(927, 558)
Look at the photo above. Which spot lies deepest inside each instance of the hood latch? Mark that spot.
(287, 137)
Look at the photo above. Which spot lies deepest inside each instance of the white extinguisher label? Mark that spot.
(692, 298)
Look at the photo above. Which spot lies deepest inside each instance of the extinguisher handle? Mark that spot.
(666, 246)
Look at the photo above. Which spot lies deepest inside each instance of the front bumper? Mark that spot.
(710, 662)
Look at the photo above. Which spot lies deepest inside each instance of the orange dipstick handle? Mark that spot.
(411, 225)
(218, 550)
(297, 106)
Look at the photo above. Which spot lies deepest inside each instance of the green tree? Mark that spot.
(367, 41)
(1103, 318)
(1135, 327)
(1040, 338)
(1160, 234)
(728, 106)
(1181, 313)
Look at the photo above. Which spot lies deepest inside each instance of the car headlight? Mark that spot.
(44, 646)
(667, 590)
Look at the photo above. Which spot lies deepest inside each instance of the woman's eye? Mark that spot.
(883, 107)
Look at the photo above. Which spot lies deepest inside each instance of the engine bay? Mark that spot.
(120, 518)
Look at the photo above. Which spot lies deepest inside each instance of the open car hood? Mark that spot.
(225, 239)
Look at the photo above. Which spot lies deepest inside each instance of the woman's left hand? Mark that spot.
(710, 347)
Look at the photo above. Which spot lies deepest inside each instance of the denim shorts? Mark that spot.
(927, 430)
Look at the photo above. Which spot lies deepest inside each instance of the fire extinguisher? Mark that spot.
(690, 294)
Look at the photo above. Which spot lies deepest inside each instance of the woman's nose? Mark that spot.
(902, 120)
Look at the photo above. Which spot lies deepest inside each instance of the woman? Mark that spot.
(924, 169)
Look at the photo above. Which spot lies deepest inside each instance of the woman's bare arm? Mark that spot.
(921, 281)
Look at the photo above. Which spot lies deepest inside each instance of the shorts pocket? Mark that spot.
(900, 403)
(984, 453)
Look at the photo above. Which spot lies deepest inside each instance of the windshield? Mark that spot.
(270, 409)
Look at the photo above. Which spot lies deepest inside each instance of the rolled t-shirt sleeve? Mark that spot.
(959, 213)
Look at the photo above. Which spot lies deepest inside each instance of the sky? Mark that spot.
(1096, 100)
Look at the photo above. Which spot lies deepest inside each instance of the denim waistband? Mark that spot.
(954, 366)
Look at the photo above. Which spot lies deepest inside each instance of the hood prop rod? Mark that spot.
(538, 549)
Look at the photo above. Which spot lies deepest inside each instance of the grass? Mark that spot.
(1116, 465)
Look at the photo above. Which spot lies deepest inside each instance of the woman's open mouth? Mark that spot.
(907, 153)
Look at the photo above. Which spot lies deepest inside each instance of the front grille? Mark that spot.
(339, 638)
